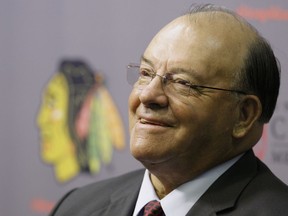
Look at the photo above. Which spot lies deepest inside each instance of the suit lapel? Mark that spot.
(123, 200)
(224, 192)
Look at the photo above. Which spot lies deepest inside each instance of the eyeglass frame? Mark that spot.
(164, 79)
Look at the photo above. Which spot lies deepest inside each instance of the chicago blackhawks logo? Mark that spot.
(78, 121)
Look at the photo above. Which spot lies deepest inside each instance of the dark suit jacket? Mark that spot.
(247, 188)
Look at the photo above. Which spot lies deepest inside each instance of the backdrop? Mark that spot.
(36, 34)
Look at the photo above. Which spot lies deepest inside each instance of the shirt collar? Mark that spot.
(181, 200)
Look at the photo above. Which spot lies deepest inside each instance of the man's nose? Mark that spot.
(154, 93)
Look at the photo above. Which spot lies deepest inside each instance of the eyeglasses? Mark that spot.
(140, 76)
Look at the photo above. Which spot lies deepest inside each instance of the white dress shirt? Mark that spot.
(180, 200)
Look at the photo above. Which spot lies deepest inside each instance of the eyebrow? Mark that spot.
(146, 60)
(193, 73)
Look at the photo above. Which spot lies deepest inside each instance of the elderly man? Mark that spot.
(204, 88)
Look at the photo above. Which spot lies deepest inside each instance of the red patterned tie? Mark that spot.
(153, 208)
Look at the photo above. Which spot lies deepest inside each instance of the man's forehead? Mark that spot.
(216, 27)
(206, 39)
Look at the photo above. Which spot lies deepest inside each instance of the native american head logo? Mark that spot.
(78, 121)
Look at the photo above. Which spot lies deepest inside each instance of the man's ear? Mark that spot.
(250, 110)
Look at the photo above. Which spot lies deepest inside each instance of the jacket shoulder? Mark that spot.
(247, 188)
(97, 196)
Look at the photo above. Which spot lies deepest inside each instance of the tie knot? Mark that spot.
(153, 208)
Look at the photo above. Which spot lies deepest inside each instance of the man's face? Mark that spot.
(182, 129)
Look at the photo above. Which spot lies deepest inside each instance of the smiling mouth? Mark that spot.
(144, 121)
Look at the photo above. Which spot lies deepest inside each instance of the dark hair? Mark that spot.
(260, 74)
(80, 79)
